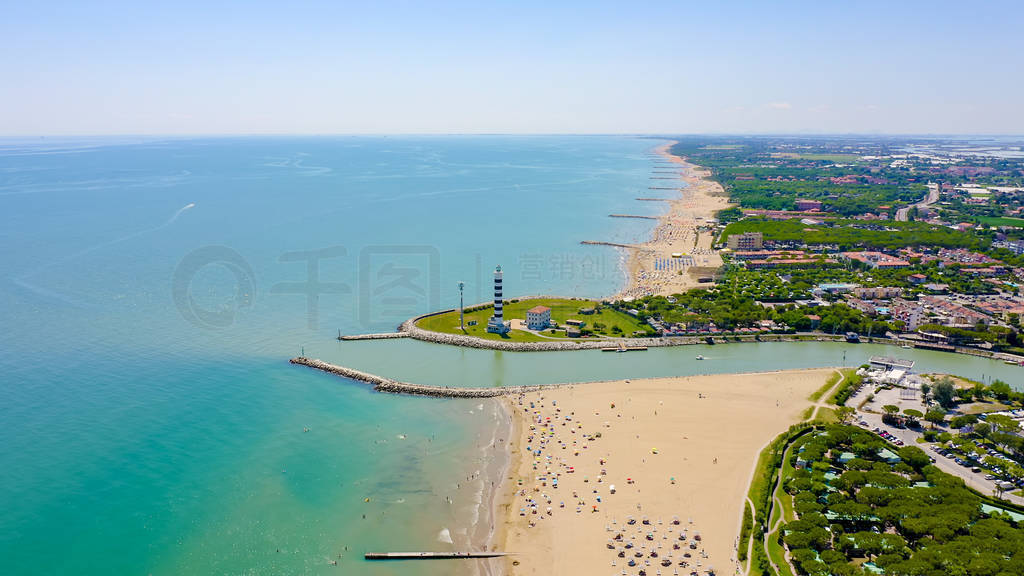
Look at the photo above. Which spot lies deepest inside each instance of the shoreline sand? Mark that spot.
(683, 229)
(687, 445)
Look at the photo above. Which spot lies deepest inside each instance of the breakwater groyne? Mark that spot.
(381, 384)
(633, 216)
(601, 243)
(379, 336)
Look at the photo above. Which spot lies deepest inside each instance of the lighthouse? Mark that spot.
(496, 324)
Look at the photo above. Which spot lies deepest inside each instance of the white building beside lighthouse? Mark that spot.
(497, 324)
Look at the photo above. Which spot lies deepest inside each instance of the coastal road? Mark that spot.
(931, 198)
(909, 437)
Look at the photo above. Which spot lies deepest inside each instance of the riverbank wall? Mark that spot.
(409, 329)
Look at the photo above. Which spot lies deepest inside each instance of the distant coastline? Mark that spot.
(685, 232)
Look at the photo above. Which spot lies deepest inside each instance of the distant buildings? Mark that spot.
(538, 318)
(834, 288)
(877, 292)
(791, 262)
(808, 205)
(911, 314)
(1015, 246)
(950, 313)
(876, 259)
(746, 241)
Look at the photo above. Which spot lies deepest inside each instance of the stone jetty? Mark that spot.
(602, 243)
(633, 216)
(379, 336)
(390, 386)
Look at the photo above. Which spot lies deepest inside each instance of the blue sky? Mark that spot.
(526, 67)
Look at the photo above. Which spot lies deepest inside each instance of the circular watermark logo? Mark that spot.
(195, 262)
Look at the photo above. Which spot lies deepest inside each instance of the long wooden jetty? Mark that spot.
(654, 199)
(431, 555)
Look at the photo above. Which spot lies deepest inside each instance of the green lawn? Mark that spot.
(827, 415)
(825, 387)
(562, 309)
(778, 554)
(1001, 221)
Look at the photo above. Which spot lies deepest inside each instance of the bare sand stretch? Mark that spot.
(684, 229)
(671, 447)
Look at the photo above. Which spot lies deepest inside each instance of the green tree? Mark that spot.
(914, 456)
(845, 414)
(962, 420)
(1001, 390)
(945, 393)
(935, 416)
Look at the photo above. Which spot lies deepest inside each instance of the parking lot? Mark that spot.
(908, 437)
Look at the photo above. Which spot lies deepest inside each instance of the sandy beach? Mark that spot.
(683, 229)
(673, 448)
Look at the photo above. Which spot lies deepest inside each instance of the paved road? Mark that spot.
(931, 198)
(909, 437)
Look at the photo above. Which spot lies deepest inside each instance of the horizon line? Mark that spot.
(428, 134)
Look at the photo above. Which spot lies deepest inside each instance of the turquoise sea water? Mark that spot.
(151, 292)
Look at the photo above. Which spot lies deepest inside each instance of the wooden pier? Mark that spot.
(654, 199)
(431, 555)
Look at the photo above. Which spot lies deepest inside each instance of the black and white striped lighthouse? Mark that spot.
(497, 322)
(497, 295)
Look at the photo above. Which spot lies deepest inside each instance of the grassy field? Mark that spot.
(602, 323)
(1001, 221)
(827, 415)
(825, 388)
(778, 554)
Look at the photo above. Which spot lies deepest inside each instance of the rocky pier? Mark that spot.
(390, 386)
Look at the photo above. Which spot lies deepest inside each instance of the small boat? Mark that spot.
(700, 356)
(852, 337)
(906, 346)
